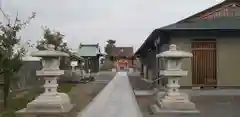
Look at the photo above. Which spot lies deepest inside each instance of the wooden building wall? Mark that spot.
(224, 56)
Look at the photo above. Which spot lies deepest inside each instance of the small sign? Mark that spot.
(74, 63)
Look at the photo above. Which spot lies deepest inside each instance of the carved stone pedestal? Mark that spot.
(174, 104)
(25, 113)
(55, 103)
(180, 102)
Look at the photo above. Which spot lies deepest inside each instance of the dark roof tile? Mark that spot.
(122, 51)
(218, 23)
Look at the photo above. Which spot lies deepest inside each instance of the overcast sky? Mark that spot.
(128, 22)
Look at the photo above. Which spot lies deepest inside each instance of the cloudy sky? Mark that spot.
(128, 22)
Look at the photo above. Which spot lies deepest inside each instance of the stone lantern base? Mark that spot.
(45, 103)
(174, 104)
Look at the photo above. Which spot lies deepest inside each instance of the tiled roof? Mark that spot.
(218, 23)
(88, 50)
(122, 51)
(77, 56)
(219, 5)
(221, 23)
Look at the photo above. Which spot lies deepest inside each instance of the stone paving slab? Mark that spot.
(144, 92)
(115, 100)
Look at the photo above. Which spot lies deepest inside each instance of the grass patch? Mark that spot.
(9, 113)
(65, 87)
(20, 103)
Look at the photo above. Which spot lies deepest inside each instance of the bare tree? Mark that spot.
(10, 59)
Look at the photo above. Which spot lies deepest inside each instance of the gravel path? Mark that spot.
(215, 103)
(82, 94)
(137, 83)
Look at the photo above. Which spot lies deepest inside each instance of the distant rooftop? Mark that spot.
(122, 51)
(88, 50)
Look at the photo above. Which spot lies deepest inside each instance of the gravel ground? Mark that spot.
(137, 83)
(218, 106)
(82, 94)
(224, 105)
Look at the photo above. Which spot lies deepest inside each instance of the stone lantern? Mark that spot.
(51, 101)
(173, 100)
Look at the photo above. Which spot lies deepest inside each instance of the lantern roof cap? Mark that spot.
(49, 52)
(174, 53)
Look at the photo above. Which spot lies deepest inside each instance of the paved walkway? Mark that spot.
(115, 100)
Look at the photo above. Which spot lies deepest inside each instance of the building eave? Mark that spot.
(149, 39)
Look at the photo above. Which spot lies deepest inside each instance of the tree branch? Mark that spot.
(28, 20)
(5, 15)
(16, 20)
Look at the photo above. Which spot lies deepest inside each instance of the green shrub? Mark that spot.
(65, 87)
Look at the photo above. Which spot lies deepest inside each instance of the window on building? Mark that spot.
(216, 14)
(219, 13)
(237, 11)
(121, 50)
(225, 13)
